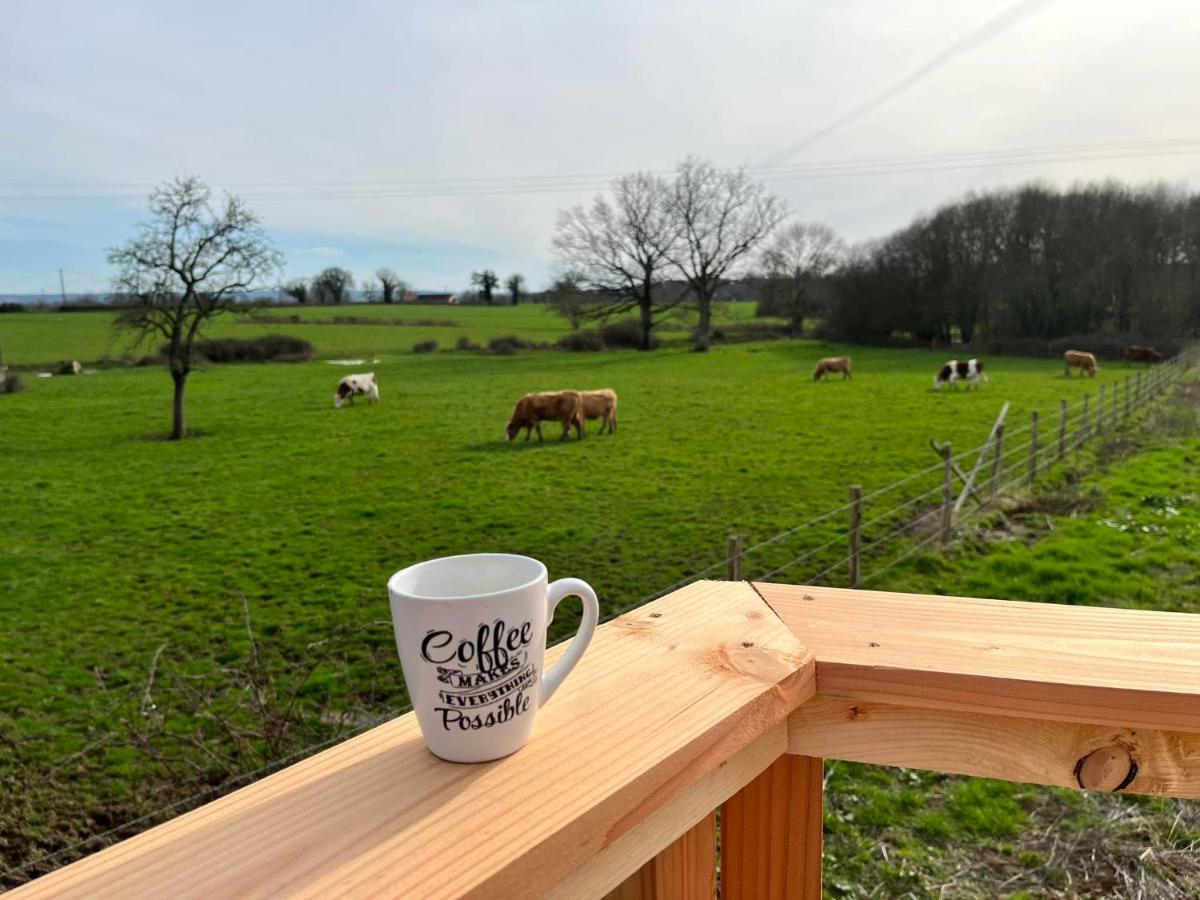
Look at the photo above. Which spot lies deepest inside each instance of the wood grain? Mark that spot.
(771, 834)
(1127, 668)
(686, 870)
(664, 696)
(1067, 754)
(625, 857)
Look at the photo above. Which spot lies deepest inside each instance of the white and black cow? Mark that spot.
(352, 385)
(970, 370)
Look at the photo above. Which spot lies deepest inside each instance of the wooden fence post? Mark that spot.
(686, 870)
(855, 535)
(1063, 416)
(997, 461)
(1100, 410)
(947, 493)
(771, 832)
(1126, 392)
(1033, 419)
(1083, 420)
(733, 557)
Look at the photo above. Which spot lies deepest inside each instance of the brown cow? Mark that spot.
(601, 404)
(832, 364)
(1080, 359)
(548, 406)
(1137, 353)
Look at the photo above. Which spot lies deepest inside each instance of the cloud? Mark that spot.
(368, 132)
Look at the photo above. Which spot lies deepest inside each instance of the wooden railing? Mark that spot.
(722, 696)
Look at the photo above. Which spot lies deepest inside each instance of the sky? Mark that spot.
(437, 138)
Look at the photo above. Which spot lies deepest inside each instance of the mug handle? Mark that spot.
(555, 594)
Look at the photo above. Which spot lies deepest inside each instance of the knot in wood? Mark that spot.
(1109, 768)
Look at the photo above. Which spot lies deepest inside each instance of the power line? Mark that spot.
(549, 184)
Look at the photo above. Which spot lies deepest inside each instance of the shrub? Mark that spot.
(625, 335)
(10, 307)
(582, 341)
(465, 343)
(11, 384)
(425, 346)
(508, 345)
(750, 331)
(156, 359)
(268, 348)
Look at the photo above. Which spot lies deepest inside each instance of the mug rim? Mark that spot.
(393, 590)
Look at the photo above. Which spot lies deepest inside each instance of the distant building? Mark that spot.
(431, 298)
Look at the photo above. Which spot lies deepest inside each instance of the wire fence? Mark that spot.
(863, 539)
(916, 513)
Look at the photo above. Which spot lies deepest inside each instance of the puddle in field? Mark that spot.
(350, 362)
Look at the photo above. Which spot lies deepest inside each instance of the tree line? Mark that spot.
(1031, 262)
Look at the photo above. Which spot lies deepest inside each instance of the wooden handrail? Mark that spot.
(723, 694)
(664, 696)
(1042, 660)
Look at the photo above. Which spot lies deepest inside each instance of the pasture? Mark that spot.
(44, 337)
(116, 543)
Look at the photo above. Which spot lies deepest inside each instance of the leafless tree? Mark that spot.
(723, 216)
(486, 281)
(391, 285)
(185, 267)
(297, 289)
(332, 286)
(620, 249)
(516, 287)
(569, 298)
(796, 260)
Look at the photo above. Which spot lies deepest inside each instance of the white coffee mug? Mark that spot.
(471, 634)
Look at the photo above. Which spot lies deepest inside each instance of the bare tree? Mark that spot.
(486, 281)
(186, 267)
(799, 258)
(391, 285)
(569, 298)
(332, 286)
(516, 287)
(297, 289)
(723, 215)
(620, 250)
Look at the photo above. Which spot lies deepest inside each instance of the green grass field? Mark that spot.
(116, 544)
(44, 338)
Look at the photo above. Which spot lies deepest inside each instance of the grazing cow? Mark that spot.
(955, 370)
(548, 406)
(1137, 353)
(71, 367)
(832, 364)
(353, 385)
(1080, 359)
(601, 404)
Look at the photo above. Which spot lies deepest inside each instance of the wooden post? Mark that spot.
(686, 870)
(1083, 420)
(1033, 417)
(1100, 410)
(997, 461)
(855, 535)
(771, 833)
(1126, 396)
(733, 557)
(947, 493)
(1062, 428)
